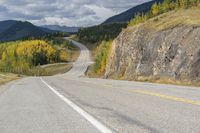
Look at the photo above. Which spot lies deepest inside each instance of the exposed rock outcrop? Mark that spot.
(148, 50)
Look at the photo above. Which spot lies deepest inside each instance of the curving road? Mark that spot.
(73, 103)
(82, 63)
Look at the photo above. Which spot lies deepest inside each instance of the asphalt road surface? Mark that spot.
(72, 103)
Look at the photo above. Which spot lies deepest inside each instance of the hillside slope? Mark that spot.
(14, 30)
(164, 46)
(20, 30)
(4, 25)
(62, 28)
(129, 14)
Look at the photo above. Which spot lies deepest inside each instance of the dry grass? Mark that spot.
(7, 77)
(73, 55)
(174, 18)
(166, 80)
(56, 69)
(48, 71)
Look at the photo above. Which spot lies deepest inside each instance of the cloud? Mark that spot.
(64, 12)
(2, 8)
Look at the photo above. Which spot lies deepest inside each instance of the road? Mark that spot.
(72, 103)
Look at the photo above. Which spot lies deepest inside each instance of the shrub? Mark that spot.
(102, 55)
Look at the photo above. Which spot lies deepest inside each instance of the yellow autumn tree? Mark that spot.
(63, 56)
(155, 9)
(22, 56)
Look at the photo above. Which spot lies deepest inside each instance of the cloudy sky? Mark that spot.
(64, 12)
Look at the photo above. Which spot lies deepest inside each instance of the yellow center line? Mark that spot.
(150, 93)
(167, 97)
(108, 85)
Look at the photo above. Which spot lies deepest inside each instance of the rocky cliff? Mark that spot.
(165, 46)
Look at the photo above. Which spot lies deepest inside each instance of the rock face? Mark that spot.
(141, 51)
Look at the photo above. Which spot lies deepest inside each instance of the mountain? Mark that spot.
(99, 33)
(62, 28)
(14, 30)
(129, 14)
(4, 25)
(162, 48)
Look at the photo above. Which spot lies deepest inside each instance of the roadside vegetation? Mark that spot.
(104, 32)
(22, 56)
(101, 59)
(160, 8)
(54, 69)
(167, 80)
(27, 57)
(61, 43)
(98, 39)
(6, 77)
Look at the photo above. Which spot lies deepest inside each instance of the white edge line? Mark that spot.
(102, 128)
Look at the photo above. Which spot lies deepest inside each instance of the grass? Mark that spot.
(166, 80)
(172, 19)
(73, 55)
(48, 70)
(7, 77)
(55, 69)
(91, 73)
(101, 57)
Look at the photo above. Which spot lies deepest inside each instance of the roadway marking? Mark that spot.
(167, 97)
(108, 85)
(102, 128)
(172, 98)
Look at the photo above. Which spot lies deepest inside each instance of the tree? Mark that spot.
(155, 9)
(22, 56)
(40, 58)
(183, 3)
(139, 19)
(168, 5)
(63, 56)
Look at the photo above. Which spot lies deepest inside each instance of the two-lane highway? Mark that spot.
(73, 103)
(82, 63)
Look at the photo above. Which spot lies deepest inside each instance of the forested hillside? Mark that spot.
(4, 25)
(100, 33)
(126, 16)
(12, 30)
(62, 28)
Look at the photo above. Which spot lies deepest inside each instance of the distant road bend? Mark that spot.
(72, 103)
